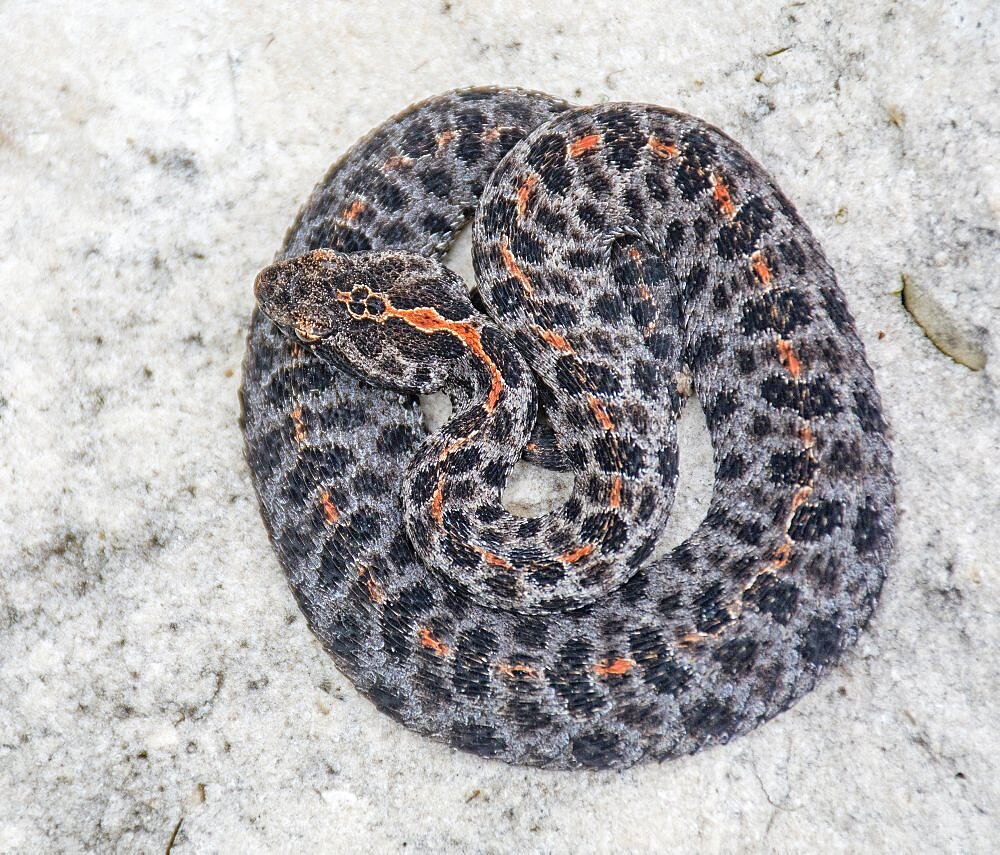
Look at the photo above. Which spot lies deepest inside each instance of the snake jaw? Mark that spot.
(306, 336)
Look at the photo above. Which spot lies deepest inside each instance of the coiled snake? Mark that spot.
(617, 249)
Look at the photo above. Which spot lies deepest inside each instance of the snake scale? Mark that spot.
(625, 255)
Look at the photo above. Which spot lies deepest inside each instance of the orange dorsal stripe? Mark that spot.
(603, 419)
(427, 319)
(583, 144)
(615, 668)
(575, 555)
(788, 358)
(512, 267)
(722, 197)
(524, 195)
(661, 148)
(615, 501)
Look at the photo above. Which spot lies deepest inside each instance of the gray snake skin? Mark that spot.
(618, 250)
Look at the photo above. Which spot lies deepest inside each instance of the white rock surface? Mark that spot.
(157, 682)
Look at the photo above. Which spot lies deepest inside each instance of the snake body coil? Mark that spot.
(616, 248)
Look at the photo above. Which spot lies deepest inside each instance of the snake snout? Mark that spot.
(272, 287)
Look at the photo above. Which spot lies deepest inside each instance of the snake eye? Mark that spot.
(305, 335)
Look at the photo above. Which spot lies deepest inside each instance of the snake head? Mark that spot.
(385, 315)
(295, 293)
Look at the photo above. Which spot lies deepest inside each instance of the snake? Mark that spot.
(627, 257)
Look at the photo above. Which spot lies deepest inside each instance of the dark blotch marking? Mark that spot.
(731, 467)
(809, 399)
(837, 309)
(673, 237)
(564, 315)
(643, 552)
(390, 197)
(780, 311)
(528, 714)
(720, 297)
(749, 531)
(469, 148)
(739, 238)
(474, 650)
(791, 253)
(437, 181)
(476, 739)
(746, 361)
(661, 344)
(591, 216)
(646, 376)
(502, 585)
(345, 239)
(869, 529)
(593, 527)
(643, 313)
(631, 458)
(545, 574)
(821, 642)
(616, 534)
(398, 627)
(553, 221)
(596, 750)
(868, 413)
(526, 247)
(530, 528)
(602, 380)
(572, 508)
(490, 513)
(691, 179)
(709, 718)
(705, 349)
(606, 453)
(790, 468)
(418, 140)
(609, 306)
(423, 484)
(660, 188)
(584, 259)
(761, 426)
(495, 474)
(623, 139)
(659, 669)
(736, 656)
(814, 520)
(695, 282)
(720, 408)
(775, 597)
(825, 571)
(464, 459)
(367, 482)
(387, 699)
(710, 613)
(669, 605)
(334, 563)
(572, 680)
